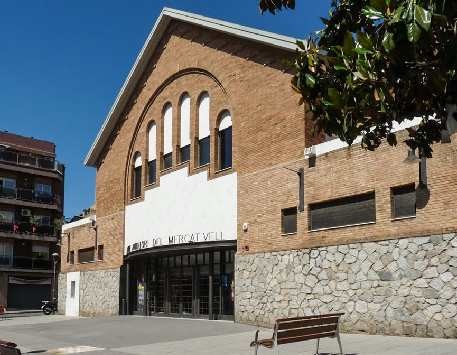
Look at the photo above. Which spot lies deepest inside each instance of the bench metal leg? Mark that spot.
(339, 343)
(317, 346)
(256, 338)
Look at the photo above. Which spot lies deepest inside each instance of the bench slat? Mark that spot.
(310, 317)
(300, 323)
(320, 329)
(305, 337)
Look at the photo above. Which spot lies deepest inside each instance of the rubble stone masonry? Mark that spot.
(396, 287)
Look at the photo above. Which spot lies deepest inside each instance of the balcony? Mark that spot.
(28, 160)
(30, 196)
(23, 262)
(27, 230)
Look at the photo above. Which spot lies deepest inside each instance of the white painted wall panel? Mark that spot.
(183, 209)
(72, 303)
(152, 141)
(168, 130)
(203, 116)
(185, 121)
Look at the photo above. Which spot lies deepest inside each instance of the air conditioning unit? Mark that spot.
(26, 213)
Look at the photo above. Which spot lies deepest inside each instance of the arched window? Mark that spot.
(203, 129)
(136, 178)
(168, 137)
(152, 149)
(184, 143)
(225, 141)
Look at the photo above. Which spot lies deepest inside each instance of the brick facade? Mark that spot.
(342, 173)
(106, 234)
(270, 132)
(232, 71)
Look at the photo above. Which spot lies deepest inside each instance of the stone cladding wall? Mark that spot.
(99, 293)
(397, 287)
(62, 293)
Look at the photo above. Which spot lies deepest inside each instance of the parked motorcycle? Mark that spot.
(49, 307)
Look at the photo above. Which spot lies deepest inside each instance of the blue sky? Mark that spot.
(63, 62)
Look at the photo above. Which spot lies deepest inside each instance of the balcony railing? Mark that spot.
(23, 262)
(30, 160)
(29, 195)
(27, 228)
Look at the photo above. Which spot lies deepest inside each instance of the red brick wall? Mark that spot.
(246, 78)
(346, 172)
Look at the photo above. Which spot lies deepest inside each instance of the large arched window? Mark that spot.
(225, 141)
(168, 137)
(136, 178)
(184, 143)
(152, 152)
(203, 129)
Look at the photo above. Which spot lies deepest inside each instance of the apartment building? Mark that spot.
(31, 206)
(214, 199)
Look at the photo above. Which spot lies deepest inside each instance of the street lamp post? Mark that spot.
(55, 258)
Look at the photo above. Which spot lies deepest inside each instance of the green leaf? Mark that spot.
(310, 80)
(372, 13)
(364, 40)
(413, 31)
(340, 67)
(327, 103)
(359, 75)
(348, 44)
(301, 45)
(379, 5)
(388, 41)
(392, 139)
(361, 50)
(398, 14)
(423, 17)
(334, 97)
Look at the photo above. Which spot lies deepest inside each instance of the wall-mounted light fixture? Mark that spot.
(412, 158)
(422, 190)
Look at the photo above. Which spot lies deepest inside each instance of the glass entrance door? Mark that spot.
(180, 291)
(191, 285)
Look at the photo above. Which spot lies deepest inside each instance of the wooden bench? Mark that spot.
(8, 348)
(294, 330)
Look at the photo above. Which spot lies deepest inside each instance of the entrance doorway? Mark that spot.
(194, 285)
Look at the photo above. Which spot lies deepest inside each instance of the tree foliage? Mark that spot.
(275, 5)
(377, 63)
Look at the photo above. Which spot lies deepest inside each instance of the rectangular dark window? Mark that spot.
(167, 161)
(152, 169)
(73, 289)
(289, 220)
(100, 252)
(347, 211)
(403, 201)
(86, 255)
(72, 257)
(225, 148)
(185, 154)
(203, 151)
(137, 182)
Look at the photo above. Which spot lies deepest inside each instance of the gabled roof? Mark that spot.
(167, 15)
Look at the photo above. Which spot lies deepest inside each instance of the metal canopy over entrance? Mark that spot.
(182, 283)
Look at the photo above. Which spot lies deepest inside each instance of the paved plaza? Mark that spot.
(140, 335)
